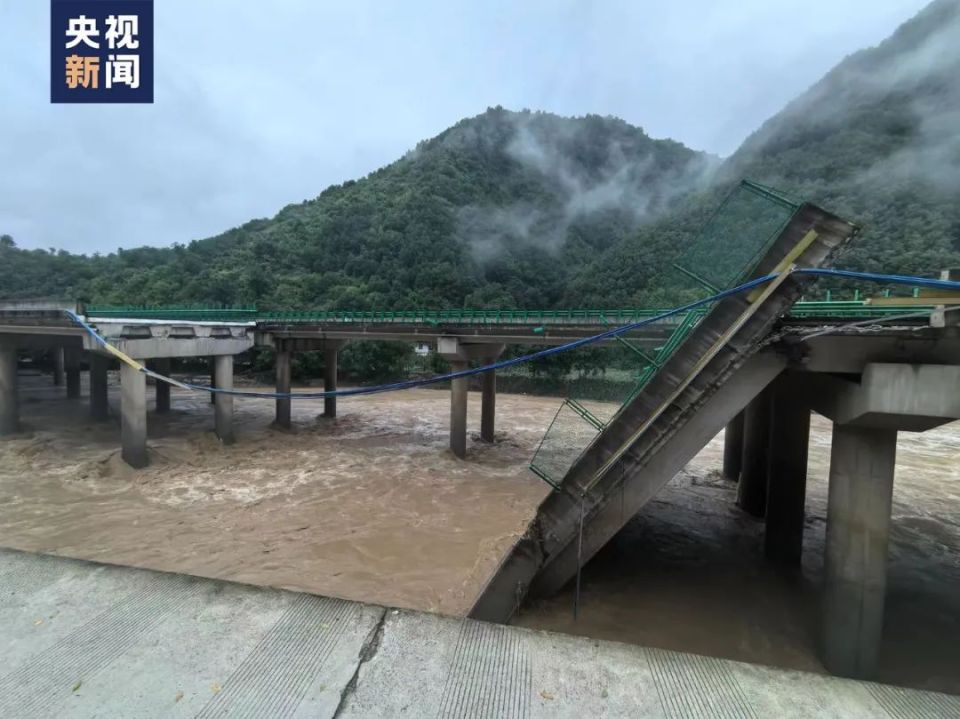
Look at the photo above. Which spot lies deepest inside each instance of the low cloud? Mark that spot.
(586, 181)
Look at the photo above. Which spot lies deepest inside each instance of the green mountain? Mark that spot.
(500, 210)
(877, 140)
(527, 209)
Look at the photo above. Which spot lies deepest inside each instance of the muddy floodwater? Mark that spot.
(369, 506)
(372, 506)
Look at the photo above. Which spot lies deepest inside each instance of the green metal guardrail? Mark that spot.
(801, 310)
(185, 313)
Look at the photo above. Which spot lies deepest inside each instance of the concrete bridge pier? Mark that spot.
(331, 353)
(867, 415)
(733, 449)
(162, 366)
(858, 528)
(133, 416)
(488, 405)
(223, 403)
(459, 355)
(99, 407)
(9, 394)
(57, 354)
(458, 410)
(787, 483)
(71, 361)
(488, 398)
(213, 378)
(282, 360)
(752, 490)
(158, 345)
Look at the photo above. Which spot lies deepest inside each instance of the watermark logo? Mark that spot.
(101, 51)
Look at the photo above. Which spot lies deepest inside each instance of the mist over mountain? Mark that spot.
(528, 209)
(877, 140)
(501, 209)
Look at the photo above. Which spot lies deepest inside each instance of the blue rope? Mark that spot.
(583, 342)
(878, 277)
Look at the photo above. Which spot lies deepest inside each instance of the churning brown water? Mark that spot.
(688, 572)
(371, 506)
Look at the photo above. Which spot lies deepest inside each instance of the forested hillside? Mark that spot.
(877, 141)
(500, 210)
(527, 209)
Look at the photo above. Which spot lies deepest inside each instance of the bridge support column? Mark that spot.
(99, 408)
(488, 397)
(162, 366)
(488, 405)
(71, 360)
(855, 567)
(733, 449)
(9, 399)
(752, 490)
(282, 359)
(330, 355)
(57, 366)
(223, 403)
(459, 356)
(133, 416)
(213, 378)
(787, 484)
(458, 410)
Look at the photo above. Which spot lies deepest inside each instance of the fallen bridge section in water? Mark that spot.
(741, 358)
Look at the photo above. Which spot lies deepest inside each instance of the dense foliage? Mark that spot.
(500, 210)
(875, 141)
(527, 209)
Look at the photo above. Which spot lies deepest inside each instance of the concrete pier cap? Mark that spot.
(459, 354)
(150, 339)
(155, 342)
(906, 397)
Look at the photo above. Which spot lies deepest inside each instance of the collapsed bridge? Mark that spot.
(747, 367)
(749, 351)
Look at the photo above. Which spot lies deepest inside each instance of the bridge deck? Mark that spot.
(46, 322)
(82, 639)
(689, 399)
(857, 309)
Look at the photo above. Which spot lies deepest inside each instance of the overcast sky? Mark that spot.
(261, 104)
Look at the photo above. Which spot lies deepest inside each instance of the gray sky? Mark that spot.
(258, 105)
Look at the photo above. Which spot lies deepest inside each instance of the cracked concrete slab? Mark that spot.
(444, 667)
(115, 642)
(79, 639)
